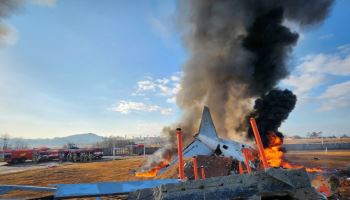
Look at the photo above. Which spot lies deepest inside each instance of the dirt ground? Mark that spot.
(123, 170)
(327, 160)
(5, 168)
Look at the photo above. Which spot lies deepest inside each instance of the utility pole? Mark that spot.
(5, 141)
(113, 148)
(144, 147)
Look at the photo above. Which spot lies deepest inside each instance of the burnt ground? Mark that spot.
(122, 170)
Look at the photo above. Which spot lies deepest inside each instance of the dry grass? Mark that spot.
(118, 170)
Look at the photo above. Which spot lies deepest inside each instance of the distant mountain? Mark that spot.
(84, 139)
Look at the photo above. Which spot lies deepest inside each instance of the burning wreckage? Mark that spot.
(268, 152)
(206, 143)
(221, 176)
(235, 170)
(238, 51)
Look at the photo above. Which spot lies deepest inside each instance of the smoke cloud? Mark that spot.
(8, 34)
(237, 52)
(270, 111)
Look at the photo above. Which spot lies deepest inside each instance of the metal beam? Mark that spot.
(8, 188)
(106, 188)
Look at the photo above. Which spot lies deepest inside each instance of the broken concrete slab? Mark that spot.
(292, 184)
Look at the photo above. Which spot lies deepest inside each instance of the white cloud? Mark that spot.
(175, 78)
(318, 70)
(169, 90)
(163, 81)
(327, 64)
(336, 96)
(344, 48)
(171, 99)
(167, 87)
(303, 83)
(337, 90)
(126, 107)
(47, 3)
(145, 85)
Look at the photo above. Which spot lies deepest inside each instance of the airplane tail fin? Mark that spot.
(207, 127)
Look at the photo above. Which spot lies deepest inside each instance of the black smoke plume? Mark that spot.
(270, 110)
(8, 7)
(237, 51)
(270, 42)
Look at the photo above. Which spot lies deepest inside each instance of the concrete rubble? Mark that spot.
(214, 166)
(272, 184)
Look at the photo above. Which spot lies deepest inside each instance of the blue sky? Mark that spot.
(113, 68)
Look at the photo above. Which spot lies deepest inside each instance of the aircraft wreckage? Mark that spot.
(261, 182)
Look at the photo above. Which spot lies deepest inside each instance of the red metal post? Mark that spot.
(179, 153)
(240, 168)
(244, 151)
(259, 143)
(203, 173)
(195, 168)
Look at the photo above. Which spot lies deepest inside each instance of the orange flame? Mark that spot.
(274, 154)
(154, 171)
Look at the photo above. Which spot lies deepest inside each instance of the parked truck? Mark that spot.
(46, 154)
(16, 156)
(80, 154)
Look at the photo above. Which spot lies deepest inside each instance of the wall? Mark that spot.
(316, 146)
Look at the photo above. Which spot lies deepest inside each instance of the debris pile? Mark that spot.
(344, 189)
(213, 166)
(272, 184)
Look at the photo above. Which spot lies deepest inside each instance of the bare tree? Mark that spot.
(314, 134)
(97, 145)
(19, 144)
(297, 137)
(111, 142)
(5, 139)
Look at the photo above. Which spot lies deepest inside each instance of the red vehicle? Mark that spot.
(22, 155)
(16, 156)
(46, 154)
(53, 154)
(98, 153)
(80, 155)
